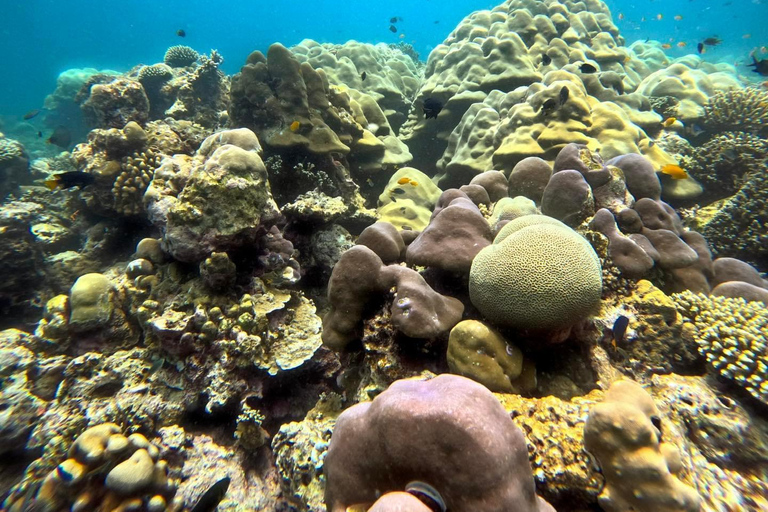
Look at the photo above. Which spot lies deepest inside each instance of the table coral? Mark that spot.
(731, 334)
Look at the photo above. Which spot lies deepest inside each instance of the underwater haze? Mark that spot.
(425, 256)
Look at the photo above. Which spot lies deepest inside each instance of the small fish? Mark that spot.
(700, 48)
(764, 49)
(659, 17)
(674, 171)
(642, 19)
(212, 497)
(69, 179)
(363, 76)
(587, 68)
(746, 36)
(666, 46)
(621, 16)
(295, 126)
(712, 41)
(546, 59)
(39, 135)
(694, 130)
(401, 36)
(181, 33)
(413, 183)
(32, 113)
(398, 191)
(392, 29)
(678, 17)
(564, 93)
(765, 84)
(682, 44)
(60, 137)
(403, 180)
(669, 122)
(395, 19)
(432, 107)
(759, 66)
(620, 328)
(548, 106)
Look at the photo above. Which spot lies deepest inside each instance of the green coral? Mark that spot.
(731, 334)
(538, 274)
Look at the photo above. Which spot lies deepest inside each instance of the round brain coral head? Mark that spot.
(538, 274)
(448, 432)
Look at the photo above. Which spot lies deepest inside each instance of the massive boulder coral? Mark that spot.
(114, 104)
(14, 165)
(297, 114)
(417, 310)
(403, 436)
(532, 50)
(538, 274)
(108, 469)
(383, 71)
(624, 434)
(216, 200)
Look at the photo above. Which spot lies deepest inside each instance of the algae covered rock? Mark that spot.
(90, 302)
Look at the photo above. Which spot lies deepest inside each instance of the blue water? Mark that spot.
(45, 37)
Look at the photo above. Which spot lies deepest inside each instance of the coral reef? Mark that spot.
(180, 56)
(731, 334)
(14, 165)
(402, 437)
(624, 434)
(743, 109)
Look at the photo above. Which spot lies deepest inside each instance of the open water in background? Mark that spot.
(41, 38)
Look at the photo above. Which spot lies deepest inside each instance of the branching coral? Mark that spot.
(180, 56)
(738, 109)
(136, 173)
(731, 333)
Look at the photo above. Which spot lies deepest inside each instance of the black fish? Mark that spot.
(392, 29)
(760, 66)
(546, 59)
(548, 106)
(39, 135)
(432, 107)
(181, 33)
(212, 497)
(395, 19)
(587, 68)
(61, 137)
(69, 179)
(32, 113)
(712, 41)
(620, 328)
(700, 48)
(363, 76)
(564, 93)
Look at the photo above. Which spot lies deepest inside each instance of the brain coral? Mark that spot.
(538, 274)
(731, 334)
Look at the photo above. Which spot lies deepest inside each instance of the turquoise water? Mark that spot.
(44, 38)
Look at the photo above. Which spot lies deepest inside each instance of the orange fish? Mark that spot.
(403, 180)
(414, 183)
(669, 122)
(295, 126)
(666, 46)
(674, 171)
(659, 17)
(682, 44)
(678, 18)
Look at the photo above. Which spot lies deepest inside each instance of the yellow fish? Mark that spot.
(659, 17)
(403, 181)
(414, 183)
(669, 122)
(682, 44)
(295, 126)
(678, 17)
(674, 171)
